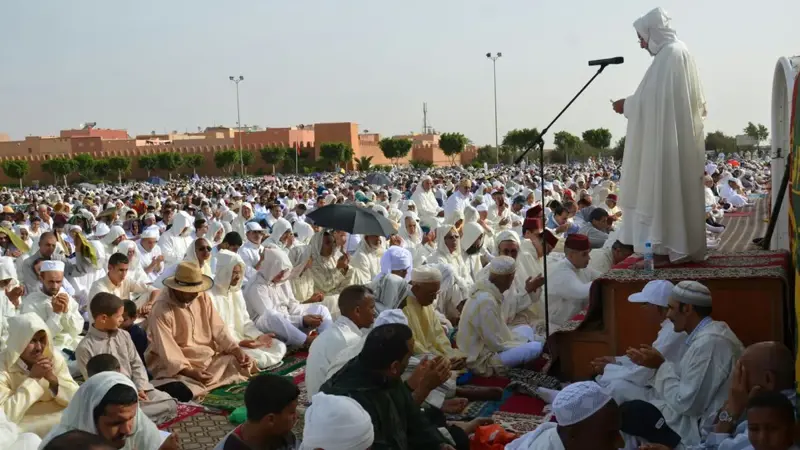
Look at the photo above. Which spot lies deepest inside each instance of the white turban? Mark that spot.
(52, 266)
(391, 316)
(579, 401)
(426, 274)
(336, 423)
(503, 265)
(692, 293)
(396, 258)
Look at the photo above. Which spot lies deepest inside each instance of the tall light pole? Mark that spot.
(238, 80)
(494, 59)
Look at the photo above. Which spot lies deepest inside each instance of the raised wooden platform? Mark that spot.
(750, 292)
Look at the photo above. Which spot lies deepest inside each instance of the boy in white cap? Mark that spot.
(622, 378)
(56, 308)
(687, 391)
(334, 422)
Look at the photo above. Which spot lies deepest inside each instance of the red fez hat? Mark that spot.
(550, 238)
(577, 242)
(568, 194)
(534, 211)
(532, 224)
(612, 197)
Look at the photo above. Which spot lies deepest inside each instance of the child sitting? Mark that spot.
(104, 362)
(771, 421)
(104, 336)
(138, 335)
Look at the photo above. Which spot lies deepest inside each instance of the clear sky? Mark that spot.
(164, 64)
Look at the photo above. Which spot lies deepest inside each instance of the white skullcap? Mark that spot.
(579, 401)
(52, 266)
(253, 226)
(336, 423)
(482, 208)
(73, 228)
(101, 229)
(692, 293)
(426, 274)
(396, 258)
(150, 232)
(391, 316)
(503, 265)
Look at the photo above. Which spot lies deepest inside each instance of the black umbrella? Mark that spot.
(352, 219)
(378, 179)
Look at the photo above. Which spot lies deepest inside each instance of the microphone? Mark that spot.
(607, 61)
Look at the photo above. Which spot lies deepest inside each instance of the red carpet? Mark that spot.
(739, 214)
(751, 264)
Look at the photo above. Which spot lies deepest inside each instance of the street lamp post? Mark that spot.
(238, 80)
(494, 59)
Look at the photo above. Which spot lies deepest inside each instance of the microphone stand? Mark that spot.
(539, 142)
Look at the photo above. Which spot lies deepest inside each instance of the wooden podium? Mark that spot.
(750, 292)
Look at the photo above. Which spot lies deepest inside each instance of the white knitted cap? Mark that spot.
(579, 401)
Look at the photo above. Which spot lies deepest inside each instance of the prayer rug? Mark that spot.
(520, 423)
(185, 410)
(527, 381)
(748, 264)
(201, 431)
(227, 398)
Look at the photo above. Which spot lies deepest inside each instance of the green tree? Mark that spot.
(517, 141)
(226, 160)
(395, 148)
(566, 143)
(194, 161)
(169, 162)
(599, 138)
(452, 144)
(16, 168)
(148, 163)
(246, 159)
(758, 133)
(335, 153)
(59, 167)
(486, 154)
(84, 164)
(364, 163)
(274, 155)
(619, 149)
(120, 164)
(720, 142)
(102, 168)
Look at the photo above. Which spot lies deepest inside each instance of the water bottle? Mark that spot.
(649, 265)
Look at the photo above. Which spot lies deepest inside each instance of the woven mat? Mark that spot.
(185, 410)
(204, 431)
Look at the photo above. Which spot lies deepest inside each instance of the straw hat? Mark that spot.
(189, 278)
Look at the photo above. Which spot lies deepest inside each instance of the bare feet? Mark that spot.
(472, 425)
(454, 405)
(478, 393)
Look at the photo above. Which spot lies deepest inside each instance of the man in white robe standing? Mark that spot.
(661, 188)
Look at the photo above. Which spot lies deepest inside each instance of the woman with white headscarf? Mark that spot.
(329, 273)
(425, 200)
(282, 236)
(216, 232)
(229, 303)
(448, 251)
(81, 413)
(112, 240)
(273, 307)
(334, 422)
(414, 239)
(366, 261)
(245, 215)
(201, 257)
(732, 192)
(136, 273)
(176, 241)
(390, 292)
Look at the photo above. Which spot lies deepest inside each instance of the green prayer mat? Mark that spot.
(230, 397)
